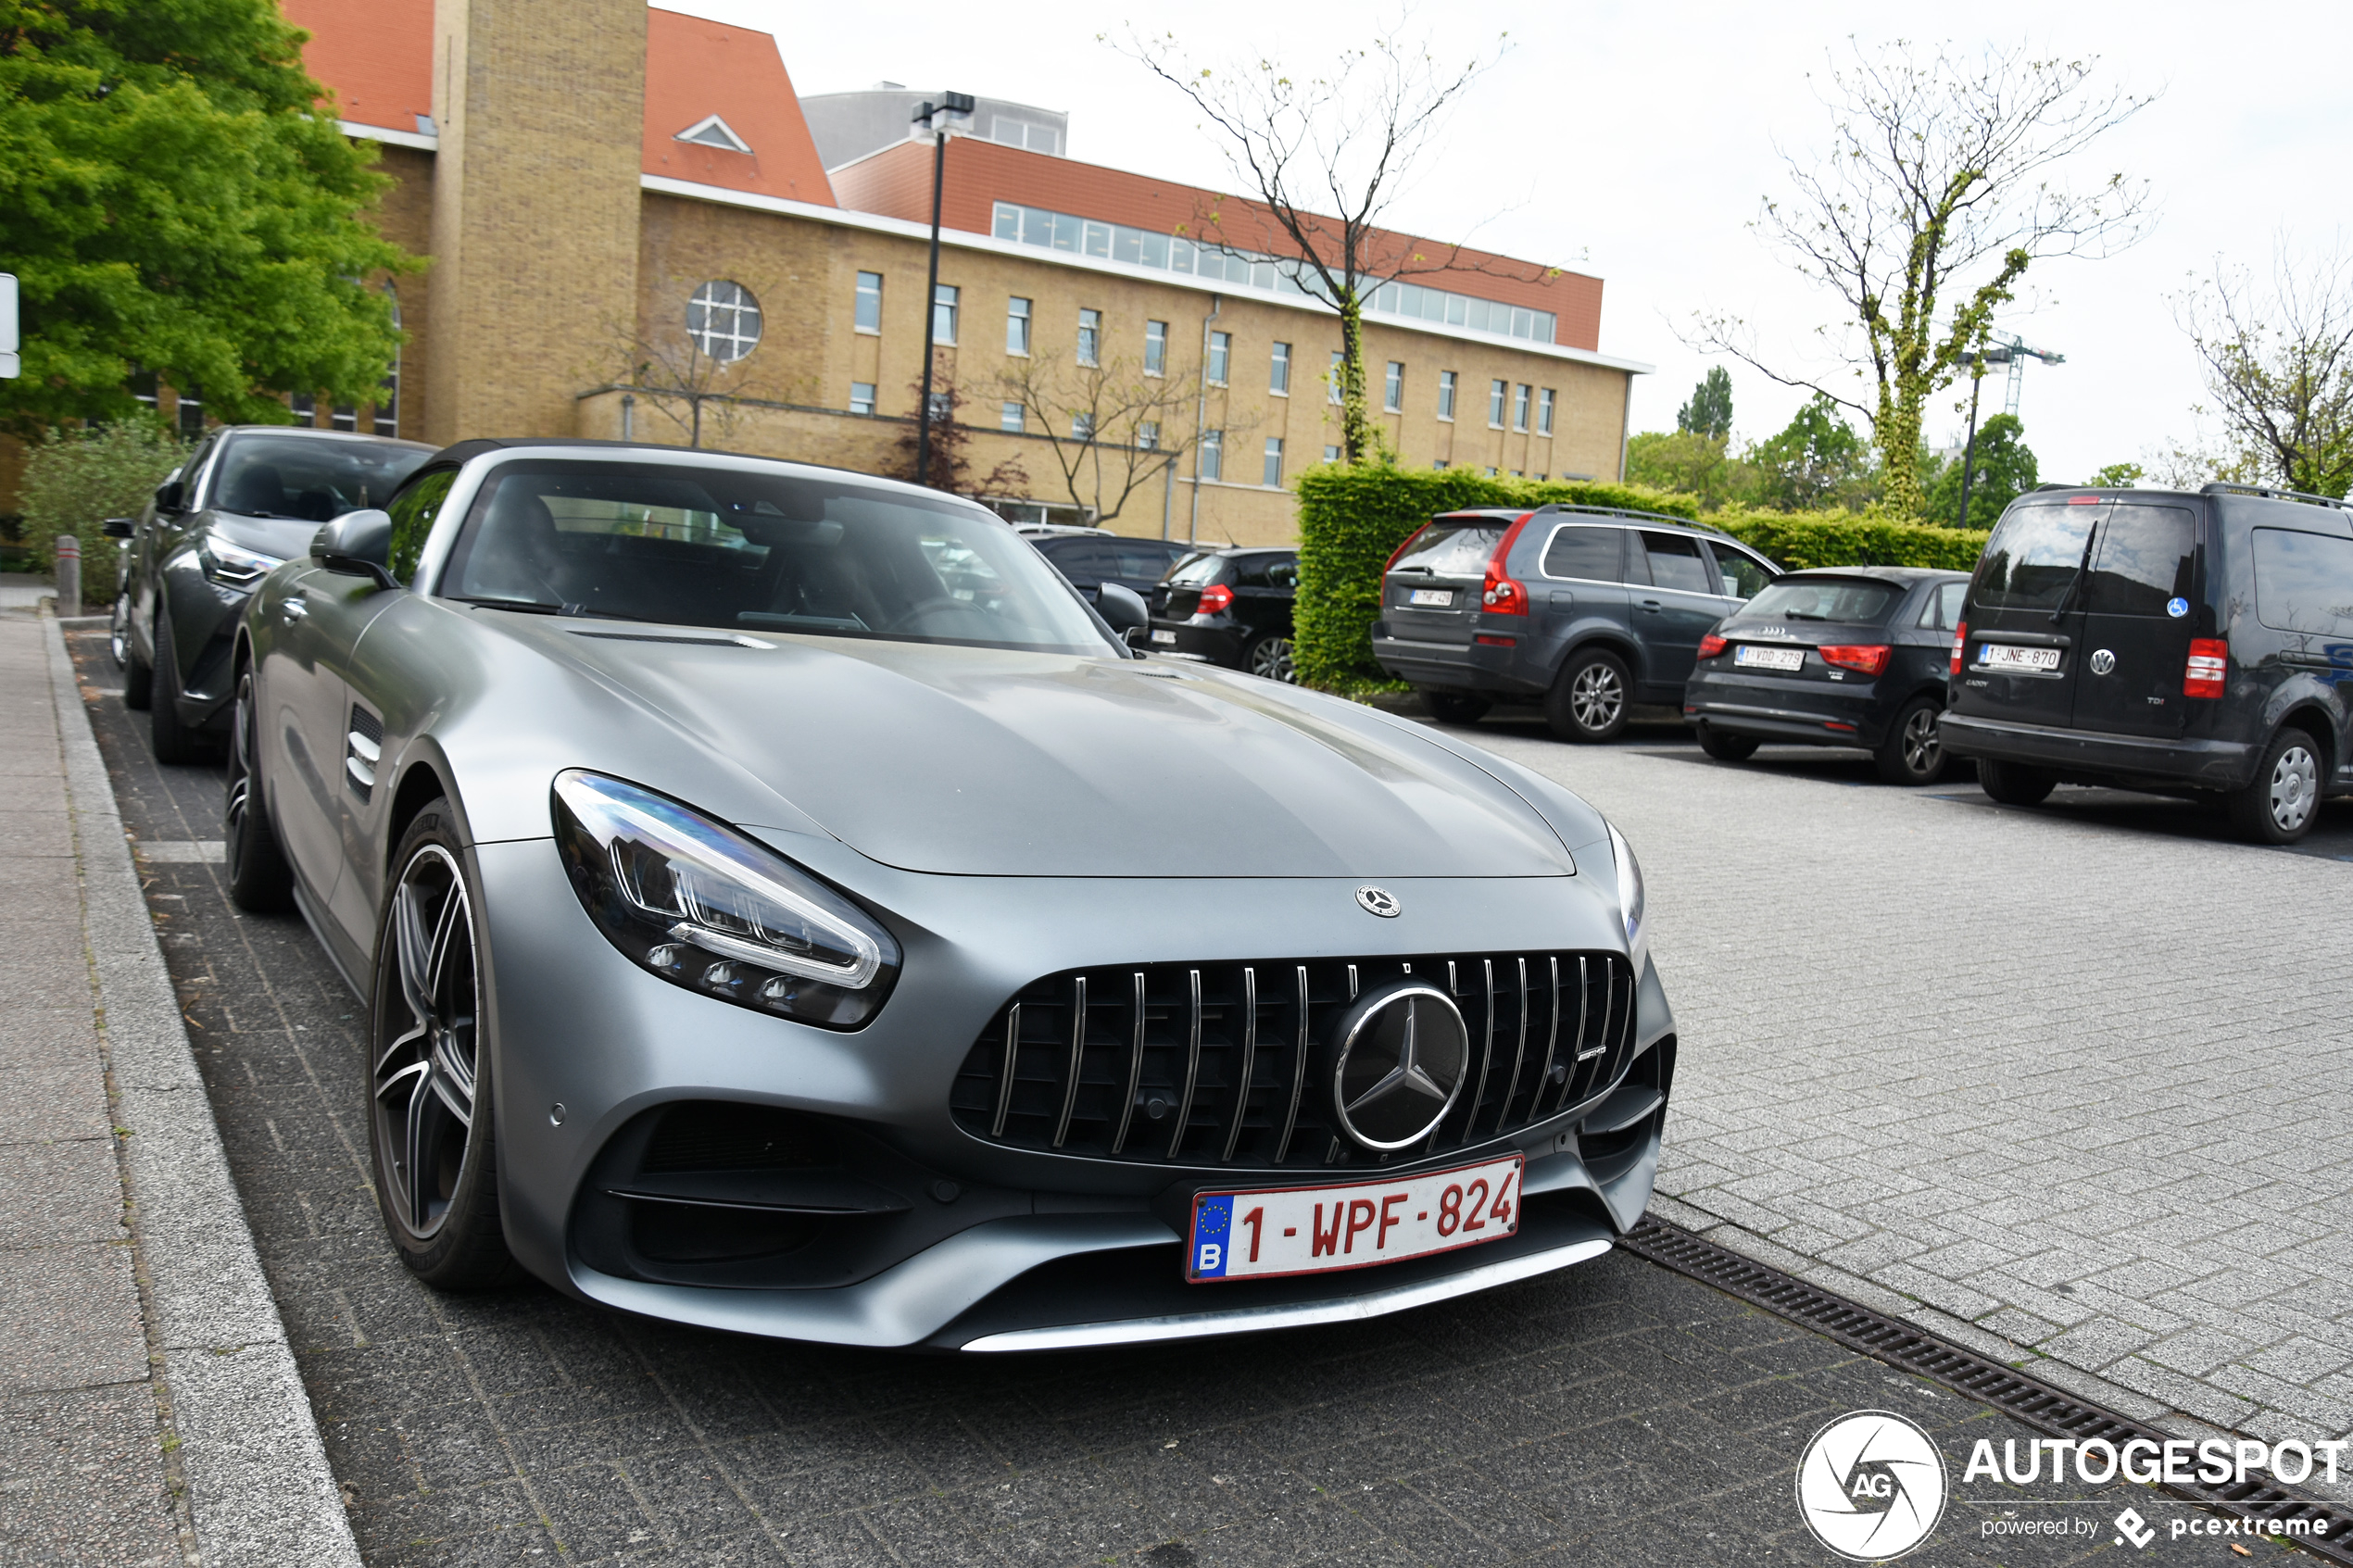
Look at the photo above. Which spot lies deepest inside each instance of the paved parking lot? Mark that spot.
(1614, 1412)
(2071, 1077)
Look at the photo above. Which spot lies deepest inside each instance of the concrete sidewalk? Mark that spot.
(152, 1412)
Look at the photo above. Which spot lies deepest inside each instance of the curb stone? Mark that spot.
(259, 1492)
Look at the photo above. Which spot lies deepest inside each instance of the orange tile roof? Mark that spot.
(896, 183)
(373, 57)
(695, 69)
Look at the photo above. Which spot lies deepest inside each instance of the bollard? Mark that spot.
(69, 574)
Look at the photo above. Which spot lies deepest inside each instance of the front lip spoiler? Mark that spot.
(1253, 1320)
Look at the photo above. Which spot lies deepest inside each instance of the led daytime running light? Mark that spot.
(226, 561)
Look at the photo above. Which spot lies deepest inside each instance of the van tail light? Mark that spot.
(1215, 598)
(1868, 658)
(2209, 664)
(1960, 640)
(1502, 594)
(1711, 646)
(1403, 546)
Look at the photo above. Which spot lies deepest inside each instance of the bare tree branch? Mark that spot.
(2278, 364)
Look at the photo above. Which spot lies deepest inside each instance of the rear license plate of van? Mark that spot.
(1438, 598)
(1784, 659)
(2009, 656)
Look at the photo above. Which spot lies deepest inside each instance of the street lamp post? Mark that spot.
(951, 105)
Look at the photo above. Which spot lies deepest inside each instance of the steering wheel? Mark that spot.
(924, 607)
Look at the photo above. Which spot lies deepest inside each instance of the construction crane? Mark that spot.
(2001, 348)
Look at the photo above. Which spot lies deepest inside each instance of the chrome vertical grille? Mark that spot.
(1213, 1064)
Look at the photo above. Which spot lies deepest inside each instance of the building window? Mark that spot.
(1147, 435)
(1331, 453)
(943, 408)
(1392, 389)
(1544, 412)
(388, 410)
(1272, 476)
(943, 314)
(1519, 407)
(1090, 337)
(305, 406)
(1155, 347)
(869, 317)
(1496, 391)
(1438, 462)
(1490, 472)
(1082, 427)
(1446, 394)
(1221, 349)
(1017, 327)
(1333, 375)
(724, 320)
(1278, 377)
(144, 387)
(1213, 454)
(861, 397)
(191, 412)
(1009, 417)
(342, 417)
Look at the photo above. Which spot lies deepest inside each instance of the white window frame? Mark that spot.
(1520, 392)
(1270, 476)
(859, 298)
(1498, 393)
(1545, 412)
(1221, 358)
(1090, 337)
(1017, 323)
(1013, 419)
(868, 400)
(1446, 381)
(1155, 349)
(1392, 388)
(1278, 370)
(948, 298)
(724, 321)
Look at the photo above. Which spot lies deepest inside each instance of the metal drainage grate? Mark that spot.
(2037, 1404)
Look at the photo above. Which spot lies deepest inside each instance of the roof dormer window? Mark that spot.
(713, 132)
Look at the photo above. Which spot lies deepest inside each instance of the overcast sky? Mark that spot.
(1636, 141)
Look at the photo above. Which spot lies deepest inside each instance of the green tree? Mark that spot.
(2278, 363)
(177, 199)
(1710, 410)
(2116, 476)
(1690, 464)
(1944, 184)
(75, 479)
(2006, 470)
(1817, 460)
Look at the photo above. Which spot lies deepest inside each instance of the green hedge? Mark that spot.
(1351, 519)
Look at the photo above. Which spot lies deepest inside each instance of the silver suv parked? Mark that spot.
(1585, 609)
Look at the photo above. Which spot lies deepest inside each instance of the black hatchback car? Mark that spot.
(1584, 609)
(1852, 656)
(1230, 606)
(250, 498)
(1090, 560)
(2196, 644)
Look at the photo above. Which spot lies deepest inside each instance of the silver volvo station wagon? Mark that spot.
(784, 905)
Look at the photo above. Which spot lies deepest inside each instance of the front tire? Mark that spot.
(172, 741)
(1913, 752)
(1588, 702)
(1456, 708)
(138, 675)
(1724, 745)
(2284, 800)
(431, 1128)
(2014, 783)
(259, 880)
(1271, 659)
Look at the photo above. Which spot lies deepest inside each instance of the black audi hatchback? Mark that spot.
(1230, 606)
(1850, 657)
(2185, 643)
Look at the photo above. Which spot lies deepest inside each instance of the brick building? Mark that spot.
(631, 230)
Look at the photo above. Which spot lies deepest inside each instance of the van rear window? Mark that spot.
(2304, 581)
(2145, 558)
(2033, 555)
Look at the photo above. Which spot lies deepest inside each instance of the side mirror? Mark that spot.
(118, 527)
(357, 545)
(1122, 610)
(170, 496)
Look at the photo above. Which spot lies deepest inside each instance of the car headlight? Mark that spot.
(1629, 892)
(225, 560)
(707, 908)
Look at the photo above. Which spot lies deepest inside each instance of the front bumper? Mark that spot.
(977, 1245)
(2092, 756)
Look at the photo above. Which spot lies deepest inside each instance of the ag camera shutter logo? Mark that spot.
(1871, 1486)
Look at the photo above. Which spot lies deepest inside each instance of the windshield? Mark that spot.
(2032, 558)
(310, 480)
(1453, 547)
(758, 552)
(1849, 599)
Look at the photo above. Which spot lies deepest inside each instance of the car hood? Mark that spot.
(990, 762)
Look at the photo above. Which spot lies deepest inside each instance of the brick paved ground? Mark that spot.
(1615, 1412)
(2073, 1077)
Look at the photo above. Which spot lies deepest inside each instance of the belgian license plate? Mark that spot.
(1755, 657)
(2009, 656)
(1167, 637)
(1281, 1231)
(1440, 598)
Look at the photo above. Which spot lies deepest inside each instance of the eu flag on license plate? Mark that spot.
(1213, 1235)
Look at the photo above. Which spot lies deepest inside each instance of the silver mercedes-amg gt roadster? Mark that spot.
(782, 904)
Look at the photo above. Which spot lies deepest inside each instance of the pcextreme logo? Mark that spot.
(1871, 1486)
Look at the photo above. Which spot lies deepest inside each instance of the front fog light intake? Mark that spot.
(709, 909)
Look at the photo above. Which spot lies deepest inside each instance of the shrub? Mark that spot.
(74, 480)
(1351, 520)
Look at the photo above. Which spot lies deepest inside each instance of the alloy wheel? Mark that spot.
(2295, 789)
(1596, 696)
(236, 815)
(424, 1074)
(1271, 659)
(118, 632)
(1923, 745)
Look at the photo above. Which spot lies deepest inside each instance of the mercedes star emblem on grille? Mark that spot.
(1404, 1051)
(1379, 901)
